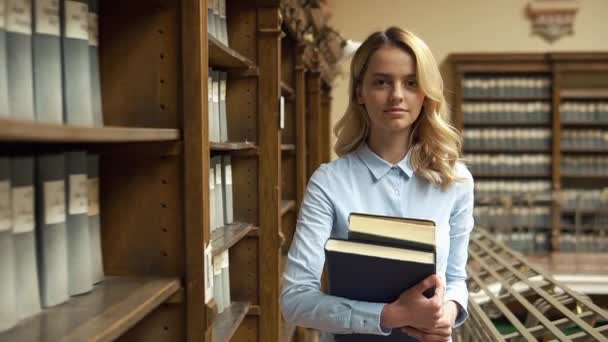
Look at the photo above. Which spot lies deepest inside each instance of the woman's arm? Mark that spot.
(302, 301)
(461, 224)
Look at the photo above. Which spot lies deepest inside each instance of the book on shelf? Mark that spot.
(225, 264)
(8, 303)
(75, 63)
(94, 220)
(19, 65)
(23, 200)
(93, 22)
(227, 189)
(80, 277)
(212, 201)
(392, 254)
(216, 162)
(4, 108)
(223, 120)
(46, 49)
(214, 116)
(52, 233)
(218, 288)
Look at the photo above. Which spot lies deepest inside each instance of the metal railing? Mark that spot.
(532, 306)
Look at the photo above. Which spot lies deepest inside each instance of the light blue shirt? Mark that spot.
(363, 182)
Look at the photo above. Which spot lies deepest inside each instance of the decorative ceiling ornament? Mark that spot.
(553, 19)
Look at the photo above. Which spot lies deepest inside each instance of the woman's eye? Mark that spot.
(411, 83)
(380, 82)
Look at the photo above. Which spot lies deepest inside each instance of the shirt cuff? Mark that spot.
(365, 319)
(463, 314)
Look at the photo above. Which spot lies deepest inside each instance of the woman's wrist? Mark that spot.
(393, 316)
(452, 308)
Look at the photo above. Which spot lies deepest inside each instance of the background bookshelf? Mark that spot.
(534, 128)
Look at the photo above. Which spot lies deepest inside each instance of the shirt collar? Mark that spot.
(380, 167)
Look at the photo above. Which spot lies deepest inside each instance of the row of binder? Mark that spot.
(505, 164)
(508, 139)
(584, 138)
(515, 217)
(584, 199)
(593, 165)
(584, 111)
(497, 86)
(584, 242)
(220, 192)
(526, 240)
(495, 189)
(221, 281)
(216, 96)
(507, 112)
(216, 20)
(49, 65)
(50, 245)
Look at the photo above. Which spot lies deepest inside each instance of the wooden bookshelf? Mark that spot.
(227, 236)
(572, 76)
(233, 147)
(12, 130)
(223, 57)
(112, 308)
(229, 320)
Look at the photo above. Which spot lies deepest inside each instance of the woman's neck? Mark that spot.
(390, 147)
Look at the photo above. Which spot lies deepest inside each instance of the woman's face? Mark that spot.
(389, 91)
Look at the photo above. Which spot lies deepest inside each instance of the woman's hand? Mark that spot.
(442, 332)
(412, 308)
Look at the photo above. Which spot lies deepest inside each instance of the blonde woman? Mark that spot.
(398, 157)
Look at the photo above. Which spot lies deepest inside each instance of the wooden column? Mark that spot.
(269, 58)
(326, 122)
(556, 210)
(300, 102)
(314, 131)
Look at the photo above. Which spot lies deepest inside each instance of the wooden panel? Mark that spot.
(241, 17)
(228, 321)
(248, 330)
(223, 57)
(326, 124)
(268, 27)
(313, 125)
(142, 223)
(112, 308)
(241, 105)
(18, 130)
(227, 236)
(288, 50)
(585, 94)
(288, 133)
(288, 176)
(140, 63)
(244, 271)
(166, 323)
(287, 91)
(288, 226)
(245, 183)
(300, 124)
(196, 164)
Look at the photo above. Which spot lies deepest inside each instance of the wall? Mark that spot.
(449, 26)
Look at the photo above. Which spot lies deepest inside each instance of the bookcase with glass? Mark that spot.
(533, 136)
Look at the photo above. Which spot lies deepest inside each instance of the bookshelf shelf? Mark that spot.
(585, 94)
(287, 206)
(507, 124)
(227, 236)
(584, 176)
(506, 98)
(223, 57)
(515, 176)
(288, 147)
(585, 124)
(287, 91)
(234, 147)
(584, 150)
(508, 151)
(26, 131)
(114, 306)
(226, 323)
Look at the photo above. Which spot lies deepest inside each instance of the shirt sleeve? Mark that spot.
(461, 225)
(302, 301)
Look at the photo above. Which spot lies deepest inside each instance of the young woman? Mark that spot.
(398, 157)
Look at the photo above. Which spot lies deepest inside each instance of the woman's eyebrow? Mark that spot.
(382, 74)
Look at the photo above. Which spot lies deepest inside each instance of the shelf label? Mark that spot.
(54, 202)
(19, 16)
(76, 20)
(6, 219)
(23, 209)
(93, 196)
(78, 194)
(208, 273)
(47, 17)
(93, 29)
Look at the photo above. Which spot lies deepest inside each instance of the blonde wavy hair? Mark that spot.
(434, 143)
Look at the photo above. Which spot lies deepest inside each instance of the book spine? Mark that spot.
(94, 220)
(8, 303)
(52, 238)
(4, 108)
(19, 59)
(80, 277)
(47, 61)
(94, 63)
(24, 235)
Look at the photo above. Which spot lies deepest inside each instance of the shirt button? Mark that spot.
(396, 192)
